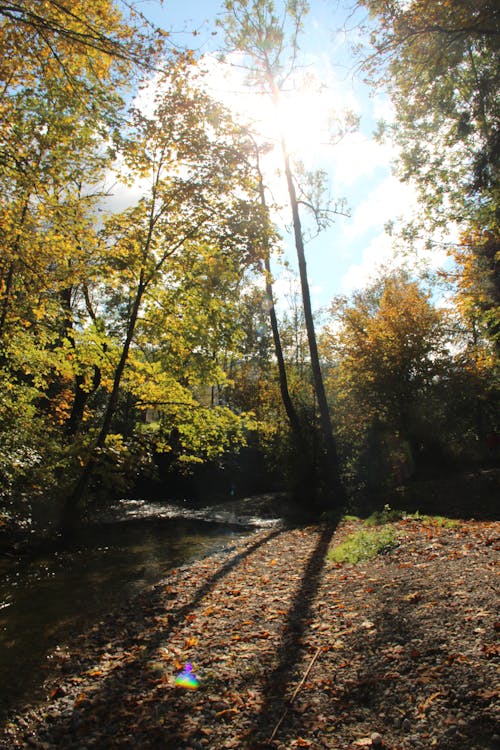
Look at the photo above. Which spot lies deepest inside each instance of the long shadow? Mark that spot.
(278, 682)
(210, 584)
(81, 595)
(118, 687)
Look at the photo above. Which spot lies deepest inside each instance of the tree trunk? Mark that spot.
(331, 466)
(81, 487)
(303, 482)
(283, 380)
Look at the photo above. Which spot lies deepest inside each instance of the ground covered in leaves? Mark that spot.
(292, 650)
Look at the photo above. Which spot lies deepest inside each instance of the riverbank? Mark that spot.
(22, 537)
(291, 650)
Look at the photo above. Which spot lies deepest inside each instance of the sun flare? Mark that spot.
(303, 115)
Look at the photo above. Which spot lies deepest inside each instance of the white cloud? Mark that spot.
(383, 108)
(388, 201)
(382, 254)
(377, 254)
(358, 157)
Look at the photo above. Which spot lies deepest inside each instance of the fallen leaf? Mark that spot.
(490, 650)
(57, 692)
(415, 596)
(367, 624)
(81, 698)
(226, 711)
(425, 704)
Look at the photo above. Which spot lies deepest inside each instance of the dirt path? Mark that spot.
(291, 650)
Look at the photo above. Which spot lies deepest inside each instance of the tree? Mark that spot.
(388, 349)
(61, 96)
(439, 62)
(476, 284)
(254, 28)
(55, 33)
(189, 153)
(291, 412)
(103, 317)
(64, 68)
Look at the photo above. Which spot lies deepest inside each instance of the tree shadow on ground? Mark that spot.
(278, 684)
(124, 711)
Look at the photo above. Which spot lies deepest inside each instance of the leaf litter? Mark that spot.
(291, 650)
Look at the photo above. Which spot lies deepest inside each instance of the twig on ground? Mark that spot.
(297, 689)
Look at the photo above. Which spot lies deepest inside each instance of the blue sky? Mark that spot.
(345, 256)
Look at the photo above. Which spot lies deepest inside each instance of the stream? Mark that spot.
(49, 597)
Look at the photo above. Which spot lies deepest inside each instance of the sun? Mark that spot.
(302, 116)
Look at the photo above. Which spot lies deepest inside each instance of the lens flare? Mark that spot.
(187, 678)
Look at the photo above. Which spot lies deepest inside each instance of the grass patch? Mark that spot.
(363, 545)
(389, 515)
(380, 536)
(442, 521)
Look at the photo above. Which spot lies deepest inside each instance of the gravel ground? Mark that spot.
(291, 650)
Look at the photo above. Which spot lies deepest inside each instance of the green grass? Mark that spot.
(363, 545)
(388, 515)
(380, 536)
(447, 523)
(348, 517)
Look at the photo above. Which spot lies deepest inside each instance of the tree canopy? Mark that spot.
(439, 62)
(137, 307)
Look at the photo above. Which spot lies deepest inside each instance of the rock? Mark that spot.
(376, 739)
(415, 741)
(406, 725)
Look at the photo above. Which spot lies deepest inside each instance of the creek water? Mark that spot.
(48, 597)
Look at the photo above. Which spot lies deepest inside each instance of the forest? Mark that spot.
(143, 348)
(249, 427)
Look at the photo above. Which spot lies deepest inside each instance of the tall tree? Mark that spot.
(64, 70)
(255, 28)
(288, 404)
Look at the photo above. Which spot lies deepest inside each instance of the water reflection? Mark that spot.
(46, 599)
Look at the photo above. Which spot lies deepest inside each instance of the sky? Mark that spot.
(344, 257)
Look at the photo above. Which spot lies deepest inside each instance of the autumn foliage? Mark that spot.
(133, 337)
